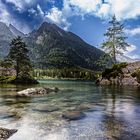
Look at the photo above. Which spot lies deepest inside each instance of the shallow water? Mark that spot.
(114, 112)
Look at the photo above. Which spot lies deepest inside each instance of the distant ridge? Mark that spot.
(15, 31)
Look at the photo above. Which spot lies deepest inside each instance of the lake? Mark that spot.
(112, 113)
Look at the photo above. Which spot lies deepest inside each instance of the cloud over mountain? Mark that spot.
(60, 13)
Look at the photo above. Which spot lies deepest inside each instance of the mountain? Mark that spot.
(51, 46)
(7, 33)
(5, 37)
(15, 31)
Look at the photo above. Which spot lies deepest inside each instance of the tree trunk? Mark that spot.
(114, 48)
(114, 54)
(17, 69)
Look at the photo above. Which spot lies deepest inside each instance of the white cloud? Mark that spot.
(131, 48)
(7, 18)
(86, 6)
(32, 11)
(41, 13)
(20, 4)
(123, 9)
(129, 55)
(55, 15)
(4, 14)
(130, 52)
(133, 32)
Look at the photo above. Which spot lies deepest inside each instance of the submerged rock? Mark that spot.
(73, 115)
(6, 133)
(46, 109)
(36, 91)
(6, 115)
(87, 108)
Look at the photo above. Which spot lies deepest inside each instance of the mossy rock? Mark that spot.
(114, 71)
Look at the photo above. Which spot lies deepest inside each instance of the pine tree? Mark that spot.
(19, 55)
(115, 43)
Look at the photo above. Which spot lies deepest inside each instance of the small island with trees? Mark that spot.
(18, 61)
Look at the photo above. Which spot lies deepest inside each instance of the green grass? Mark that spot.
(6, 79)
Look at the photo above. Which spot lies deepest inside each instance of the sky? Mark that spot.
(86, 18)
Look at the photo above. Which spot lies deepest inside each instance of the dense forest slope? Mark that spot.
(53, 47)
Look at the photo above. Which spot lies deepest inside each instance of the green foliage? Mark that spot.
(64, 73)
(6, 79)
(115, 42)
(6, 63)
(104, 62)
(136, 74)
(19, 56)
(118, 67)
(6, 67)
(115, 71)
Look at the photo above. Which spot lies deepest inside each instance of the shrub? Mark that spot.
(136, 74)
(114, 71)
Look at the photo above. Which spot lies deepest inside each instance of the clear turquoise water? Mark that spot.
(114, 112)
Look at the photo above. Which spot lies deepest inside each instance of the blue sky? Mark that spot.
(86, 18)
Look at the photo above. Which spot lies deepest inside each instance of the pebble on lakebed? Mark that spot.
(6, 133)
(73, 115)
(46, 108)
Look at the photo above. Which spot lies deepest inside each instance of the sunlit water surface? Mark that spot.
(114, 112)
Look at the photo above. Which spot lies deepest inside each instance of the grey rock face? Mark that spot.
(15, 31)
(5, 38)
(124, 78)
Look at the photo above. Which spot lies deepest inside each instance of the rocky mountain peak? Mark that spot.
(15, 31)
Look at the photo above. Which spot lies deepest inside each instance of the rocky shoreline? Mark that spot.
(125, 77)
(6, 133)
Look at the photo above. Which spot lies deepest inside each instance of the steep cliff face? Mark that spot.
(127, 75)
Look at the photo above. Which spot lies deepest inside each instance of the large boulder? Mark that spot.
(36, 91)
(105, 82)
(6, 133)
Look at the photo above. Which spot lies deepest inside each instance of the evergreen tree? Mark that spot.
(104, 62)
(19, 55)
(115, 43)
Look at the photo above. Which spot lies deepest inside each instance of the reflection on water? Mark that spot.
(112, 113)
